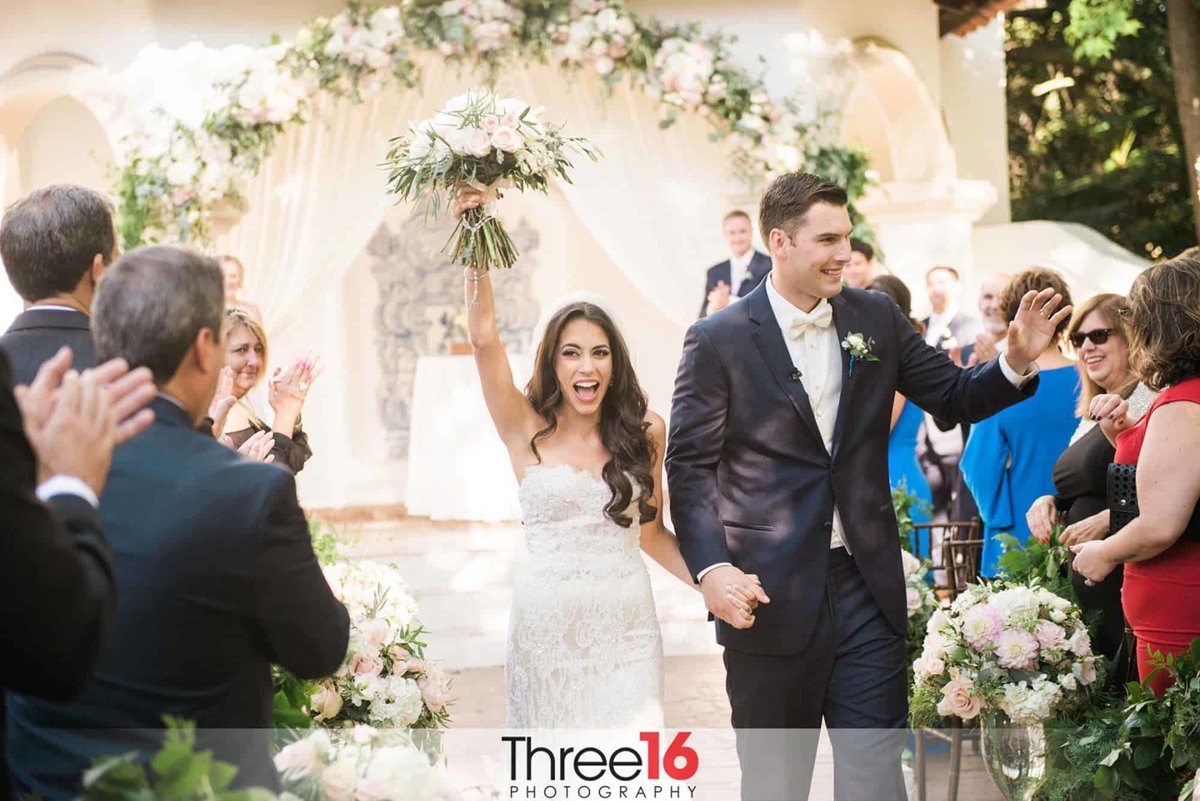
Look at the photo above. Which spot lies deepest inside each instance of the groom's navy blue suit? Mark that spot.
(752, 483)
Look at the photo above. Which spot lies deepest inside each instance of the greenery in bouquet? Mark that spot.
(1020, 650)
(490, 142)
(385, 680)
(362, 763)
(1035, 560)
(177, 772)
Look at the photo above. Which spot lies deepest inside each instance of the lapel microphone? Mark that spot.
(796, 375)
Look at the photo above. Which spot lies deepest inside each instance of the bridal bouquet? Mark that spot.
(1021, 650)
(359, 765)
(384, 680)
(491, 143)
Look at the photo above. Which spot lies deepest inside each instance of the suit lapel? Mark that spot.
(769, 340)
(843, 320)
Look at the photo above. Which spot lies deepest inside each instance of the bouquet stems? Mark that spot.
(480, 242)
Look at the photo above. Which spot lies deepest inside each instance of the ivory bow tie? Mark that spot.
(820, 317)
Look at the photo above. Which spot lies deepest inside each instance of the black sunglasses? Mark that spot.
(1099, 336)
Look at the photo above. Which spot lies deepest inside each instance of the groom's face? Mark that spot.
(810, 262)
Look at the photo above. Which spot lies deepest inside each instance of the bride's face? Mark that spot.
(244, 355)
(583, 365)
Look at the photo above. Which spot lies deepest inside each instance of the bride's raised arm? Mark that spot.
(514, 418)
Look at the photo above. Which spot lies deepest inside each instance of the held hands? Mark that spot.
(1032, 331)
(732, 595)
(1042, 517)
(719, 297)
(74, 421)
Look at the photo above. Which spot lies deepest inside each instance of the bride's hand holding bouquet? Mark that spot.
(489, 143)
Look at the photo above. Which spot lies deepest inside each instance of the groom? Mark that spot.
(777, 466)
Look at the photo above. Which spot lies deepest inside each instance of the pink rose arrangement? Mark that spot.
(1011, 648)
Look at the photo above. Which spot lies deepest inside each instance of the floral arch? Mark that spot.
(172, 183)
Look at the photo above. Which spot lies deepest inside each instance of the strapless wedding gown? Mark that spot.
(584, 646)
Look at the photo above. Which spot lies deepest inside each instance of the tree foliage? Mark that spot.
(1093, 129)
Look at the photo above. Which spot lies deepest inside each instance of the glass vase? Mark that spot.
(1015, 755)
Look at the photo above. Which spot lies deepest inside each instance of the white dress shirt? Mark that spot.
(939, 326)
(816, 353)
(739, 271)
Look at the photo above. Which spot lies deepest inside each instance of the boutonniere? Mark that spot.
(859, 348)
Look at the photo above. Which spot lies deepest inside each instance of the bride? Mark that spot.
(584, 647)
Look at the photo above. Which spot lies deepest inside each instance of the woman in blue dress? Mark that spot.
(1009, 457)
(903, 468)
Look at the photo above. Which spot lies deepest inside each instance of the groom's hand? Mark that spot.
(1033, 329)
(732, 595)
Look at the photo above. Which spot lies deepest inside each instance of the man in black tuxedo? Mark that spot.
(777, 466)
(55, 243)
(212, 555)
(56, 444)
(738, 275)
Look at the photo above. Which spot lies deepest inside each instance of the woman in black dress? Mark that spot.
(1097, 334)
(246, 356)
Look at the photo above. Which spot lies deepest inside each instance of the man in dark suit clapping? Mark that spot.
(211, 553)
(55, 243)
(56, 443)
(736, 276)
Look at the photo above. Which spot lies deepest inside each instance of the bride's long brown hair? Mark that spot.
(622, 413)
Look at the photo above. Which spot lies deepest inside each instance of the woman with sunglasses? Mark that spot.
(1097, 335)
(1008, 459)
(1160, 548)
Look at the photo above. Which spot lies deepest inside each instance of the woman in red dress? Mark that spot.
(1161, 547)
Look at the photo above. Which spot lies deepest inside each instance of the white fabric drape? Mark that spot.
(655, 201)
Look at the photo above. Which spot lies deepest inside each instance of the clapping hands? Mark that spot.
(289, 390)
(74, 421)
(732, 595)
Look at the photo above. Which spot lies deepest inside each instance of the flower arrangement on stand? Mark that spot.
(921, 602)
(1023, 651)
(170, 184)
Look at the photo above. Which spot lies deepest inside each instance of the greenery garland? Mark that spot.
(171, 184)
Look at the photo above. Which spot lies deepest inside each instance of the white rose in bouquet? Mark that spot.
(514, 132)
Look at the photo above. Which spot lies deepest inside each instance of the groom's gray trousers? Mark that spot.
(852, 675)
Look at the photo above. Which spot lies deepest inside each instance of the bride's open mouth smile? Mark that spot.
(586, 391)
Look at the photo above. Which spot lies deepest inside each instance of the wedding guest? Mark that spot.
(1097, 334)
(235, 284)
(1161, 547)
(212, 556)
(863, 267)
(947, 328)
(55, 244)
(993, 329)
(56, 442)
(246, 356)
(1010, 456)
(907, 418)
(741, 272)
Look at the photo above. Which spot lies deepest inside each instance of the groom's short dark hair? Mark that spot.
(790, 196)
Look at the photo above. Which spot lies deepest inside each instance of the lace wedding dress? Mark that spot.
(584, 647)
